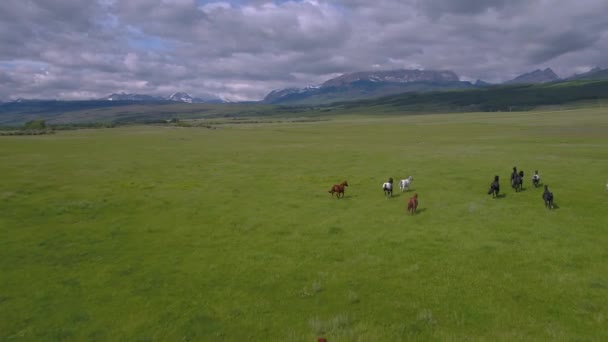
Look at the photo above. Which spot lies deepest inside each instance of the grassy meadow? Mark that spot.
(150, 233)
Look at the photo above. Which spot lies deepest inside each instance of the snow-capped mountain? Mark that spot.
(367, 84)
(394, 76)
(132, 97)
(176, 97)
(181, 97)
(279, 93)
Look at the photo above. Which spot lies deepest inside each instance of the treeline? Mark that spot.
(40, 127)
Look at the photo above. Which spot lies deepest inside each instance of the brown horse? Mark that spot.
(412, 204)
(338, 189)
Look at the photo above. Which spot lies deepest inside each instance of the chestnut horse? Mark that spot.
(338, 189)
(412, 204)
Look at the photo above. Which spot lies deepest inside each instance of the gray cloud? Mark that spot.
(241, 50)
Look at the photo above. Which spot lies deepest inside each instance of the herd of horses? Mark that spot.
(404, 184)
(517, 183)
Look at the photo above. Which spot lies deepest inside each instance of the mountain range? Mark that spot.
(176, 97)
(362, 85)
(370, 84)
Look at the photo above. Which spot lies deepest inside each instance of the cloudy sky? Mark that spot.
(242, 49)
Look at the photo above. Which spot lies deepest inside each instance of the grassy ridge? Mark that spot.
(154, 233)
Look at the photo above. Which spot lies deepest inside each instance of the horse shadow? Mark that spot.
(503, 195)
(396, 195)
(420, 210)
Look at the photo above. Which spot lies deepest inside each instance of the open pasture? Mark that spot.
(156, 233)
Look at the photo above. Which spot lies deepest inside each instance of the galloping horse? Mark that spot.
(513, 175)
(521, 176)
(517, 181)
(548, 198)
(405, 183)
(338, 189)
(494, 188)
(536, 179)
(388, 188)
(412, 204)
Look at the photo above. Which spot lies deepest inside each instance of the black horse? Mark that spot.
(548, 198)
(517, 181)
(514, 174)
(494, 188)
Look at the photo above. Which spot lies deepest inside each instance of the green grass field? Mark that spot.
(168, 234)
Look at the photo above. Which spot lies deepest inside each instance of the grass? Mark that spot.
(168, 233)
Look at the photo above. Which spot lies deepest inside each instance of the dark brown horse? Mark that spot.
(412, 204)
(338, 189)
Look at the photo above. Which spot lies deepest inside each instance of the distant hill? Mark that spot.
(593, 74)
(368, 84)
(517, 97)
(480, 83)
(536, 76)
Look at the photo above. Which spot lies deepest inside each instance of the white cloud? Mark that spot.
(240, 50)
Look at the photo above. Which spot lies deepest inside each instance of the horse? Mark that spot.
(521, 177)
(412, 204)
(338, 189)
(516, 183)
(405, 183)
(536, 179)
(514, 174)
(494, 188)
(548, 198)
(388, 188)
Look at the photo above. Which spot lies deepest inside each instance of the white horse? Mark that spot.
(405, 183)
(536, 179)
(388, 189)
